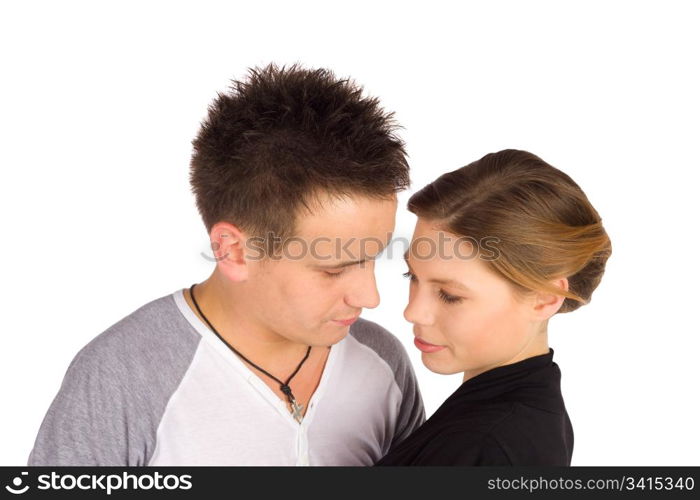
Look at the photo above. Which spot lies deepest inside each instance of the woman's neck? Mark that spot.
(537, 346)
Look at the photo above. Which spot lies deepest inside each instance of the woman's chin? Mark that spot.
(441, 367)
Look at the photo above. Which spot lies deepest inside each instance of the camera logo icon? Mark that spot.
(17, 483)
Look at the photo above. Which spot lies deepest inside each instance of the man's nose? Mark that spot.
(364, 292)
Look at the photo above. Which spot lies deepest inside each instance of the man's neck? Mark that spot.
(220, 304)
(273, 353)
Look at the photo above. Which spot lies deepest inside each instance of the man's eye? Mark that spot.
(334, 274)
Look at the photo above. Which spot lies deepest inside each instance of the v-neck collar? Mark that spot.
(247, 373)
(535, 380)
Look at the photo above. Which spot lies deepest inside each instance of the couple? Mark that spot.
(267, 361)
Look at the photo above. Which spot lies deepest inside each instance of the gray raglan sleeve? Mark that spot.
(411, 413)
(111, 400)
(86, 423)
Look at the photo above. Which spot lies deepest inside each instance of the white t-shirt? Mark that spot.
(160, 388)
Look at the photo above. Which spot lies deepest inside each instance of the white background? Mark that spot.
(100, 101)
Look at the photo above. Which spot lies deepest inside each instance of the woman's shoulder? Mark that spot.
(508, 433)
(469, 437)
(477, 417)
(457, 445)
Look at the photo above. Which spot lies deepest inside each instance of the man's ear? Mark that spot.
(547, 304)
(228, 243)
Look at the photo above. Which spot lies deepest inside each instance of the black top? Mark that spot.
(509, 415)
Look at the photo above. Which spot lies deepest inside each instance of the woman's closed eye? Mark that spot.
(444, 296)
(409, 275)
(449, 299)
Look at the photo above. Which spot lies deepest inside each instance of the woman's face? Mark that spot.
(466, 318)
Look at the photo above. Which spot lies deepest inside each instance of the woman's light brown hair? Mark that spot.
(543, 223)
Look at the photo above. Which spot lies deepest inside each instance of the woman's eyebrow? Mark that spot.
(438, 281)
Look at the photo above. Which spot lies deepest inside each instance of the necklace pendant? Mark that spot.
(296, 410)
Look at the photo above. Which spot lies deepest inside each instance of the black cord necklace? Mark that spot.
(284, 386)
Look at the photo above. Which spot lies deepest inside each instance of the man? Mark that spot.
(266, 362)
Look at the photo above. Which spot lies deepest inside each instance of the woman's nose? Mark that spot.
(417, 313)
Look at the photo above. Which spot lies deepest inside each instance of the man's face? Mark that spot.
(325, 273)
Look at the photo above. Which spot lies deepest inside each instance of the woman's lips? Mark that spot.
(426, 347)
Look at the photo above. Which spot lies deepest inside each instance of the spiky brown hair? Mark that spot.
(281, 136)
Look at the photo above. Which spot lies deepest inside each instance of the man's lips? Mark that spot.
(426, 346)
(346, 322)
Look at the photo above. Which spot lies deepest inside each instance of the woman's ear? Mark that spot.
(546, 305)
(228, 244)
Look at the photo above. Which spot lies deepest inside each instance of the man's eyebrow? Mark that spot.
(453, 283)
(340, 265)
(347, 263)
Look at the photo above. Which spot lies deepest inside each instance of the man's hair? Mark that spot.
(285, 136)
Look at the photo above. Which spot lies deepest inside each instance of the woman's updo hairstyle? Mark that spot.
(542, 222)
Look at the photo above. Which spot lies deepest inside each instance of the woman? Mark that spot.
(499, 247)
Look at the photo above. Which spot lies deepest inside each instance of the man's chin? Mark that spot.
(329, 335)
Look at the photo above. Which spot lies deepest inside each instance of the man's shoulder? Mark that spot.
(155, 336)
(116, 389)
(390, 350)
(380, 340)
